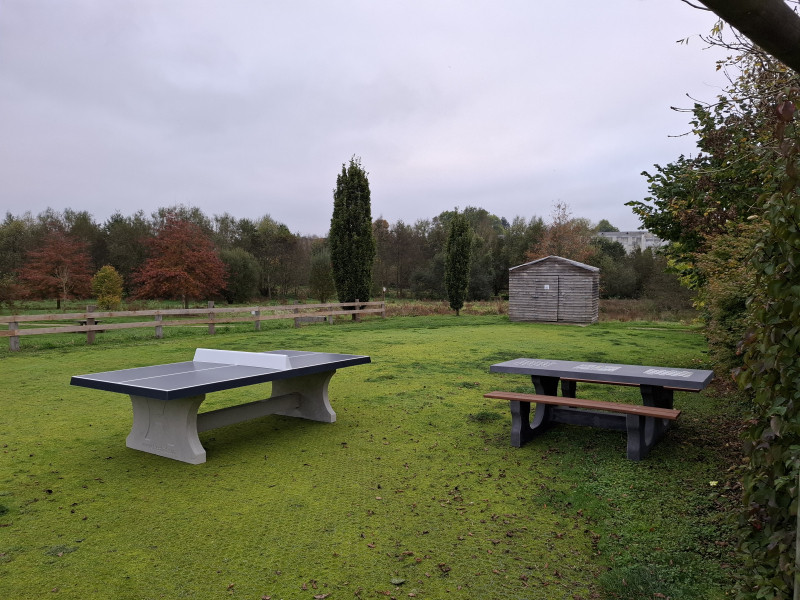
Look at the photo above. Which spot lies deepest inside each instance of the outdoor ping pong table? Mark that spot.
(166, 398)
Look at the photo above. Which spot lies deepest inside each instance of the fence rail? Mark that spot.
(89, 322)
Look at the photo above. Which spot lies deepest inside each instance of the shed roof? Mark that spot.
(558, 259)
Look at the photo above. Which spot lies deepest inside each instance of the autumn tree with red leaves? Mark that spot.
(183, 264)
(61, 268)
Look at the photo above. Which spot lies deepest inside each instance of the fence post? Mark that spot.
(159, 328)
(90, 321)
(212, 329)
(383, 309)
(13, 341)
(356, 313)
(296, 319)
(257, 314)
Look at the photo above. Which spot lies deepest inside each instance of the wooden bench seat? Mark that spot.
(644, 425)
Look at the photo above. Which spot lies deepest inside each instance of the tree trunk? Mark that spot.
(770, 24)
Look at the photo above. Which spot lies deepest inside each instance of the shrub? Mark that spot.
(722, 301)
(107, 288)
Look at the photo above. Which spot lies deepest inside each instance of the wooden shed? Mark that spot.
(554, 289)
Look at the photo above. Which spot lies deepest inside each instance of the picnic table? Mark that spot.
(645, 424)
(166, 398)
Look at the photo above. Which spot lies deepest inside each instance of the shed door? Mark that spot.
(545, 297)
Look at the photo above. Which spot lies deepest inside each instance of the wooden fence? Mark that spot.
(94, 321)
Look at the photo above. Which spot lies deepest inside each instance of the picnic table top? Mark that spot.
(669, 377)
(215, 370)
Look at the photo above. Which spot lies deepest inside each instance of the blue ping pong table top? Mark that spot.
(192, 378)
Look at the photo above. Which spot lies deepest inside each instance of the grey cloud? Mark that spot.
(252, 107)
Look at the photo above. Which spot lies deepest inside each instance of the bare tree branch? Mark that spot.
(695, 5)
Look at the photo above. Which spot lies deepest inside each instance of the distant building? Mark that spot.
(633, 240)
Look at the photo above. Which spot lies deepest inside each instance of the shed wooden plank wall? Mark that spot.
(572, 297)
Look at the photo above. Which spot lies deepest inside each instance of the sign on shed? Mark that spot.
(554, 289)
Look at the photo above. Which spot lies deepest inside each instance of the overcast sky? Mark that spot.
(251, 107)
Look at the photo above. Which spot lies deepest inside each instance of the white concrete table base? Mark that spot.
(169, 428)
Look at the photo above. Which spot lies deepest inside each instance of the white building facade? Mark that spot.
(633, 240)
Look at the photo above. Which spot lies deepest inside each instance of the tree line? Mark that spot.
(179, 252)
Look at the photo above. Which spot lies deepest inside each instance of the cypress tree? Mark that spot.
(457, 261)
(351, 241)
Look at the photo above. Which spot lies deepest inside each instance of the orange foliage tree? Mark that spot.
(565, 236)
(183, 264)
(60, 268)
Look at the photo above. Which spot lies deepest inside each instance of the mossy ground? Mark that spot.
(415, 491)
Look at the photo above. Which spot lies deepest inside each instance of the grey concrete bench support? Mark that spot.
(170, 427)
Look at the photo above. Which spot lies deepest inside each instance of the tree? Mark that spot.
(457, 261)
(768, 521)
(406, 251)
(693, 200)
(565, 237)
(352, 244)
(17, 237)
(521, 236)
(60, 269)
(771, 24)
(617, 275)
(722, 301)
(605, 225)
(107, 288)
(762, 102)
(321, 277)
(183, 264)
(243, 274)
(10, 290)
(382, 266)
(191, 214)
(481, 269)
(126, 241)
(81, 226)
(275, 248)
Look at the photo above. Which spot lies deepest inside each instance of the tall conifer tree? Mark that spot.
(352, 244)
(457, 261)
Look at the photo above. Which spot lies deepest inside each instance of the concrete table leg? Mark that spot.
(546, 386)
(312, 392)
(661, 398)
(522, 430)
(167, 428)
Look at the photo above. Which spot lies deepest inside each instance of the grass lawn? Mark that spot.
(415, 491)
